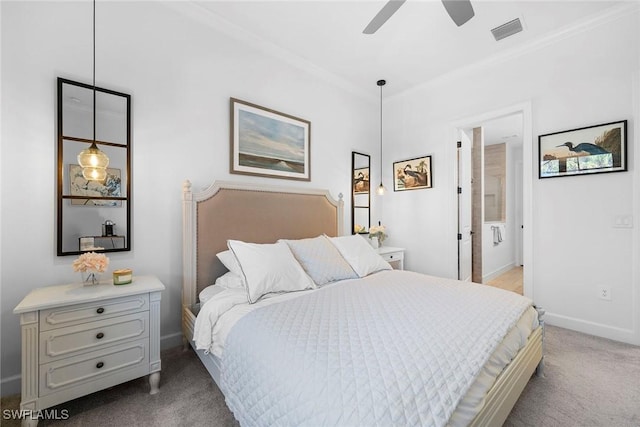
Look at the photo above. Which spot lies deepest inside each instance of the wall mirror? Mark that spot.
(93, 215)
(361, 193)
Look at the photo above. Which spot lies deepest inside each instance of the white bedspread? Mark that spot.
(395, 348)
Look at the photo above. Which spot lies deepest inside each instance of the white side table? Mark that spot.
(394, 256)
(80, 339)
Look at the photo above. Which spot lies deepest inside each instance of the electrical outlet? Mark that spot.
(604, 292)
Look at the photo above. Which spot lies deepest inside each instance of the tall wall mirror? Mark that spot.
(93, 215)
(361, 193)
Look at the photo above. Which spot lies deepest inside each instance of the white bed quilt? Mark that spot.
(395, 348)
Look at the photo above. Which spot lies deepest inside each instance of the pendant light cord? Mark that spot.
(94, 71)
(381, 187)
(380, 133)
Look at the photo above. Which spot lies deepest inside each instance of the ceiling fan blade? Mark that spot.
(385, 13)
(459, 10)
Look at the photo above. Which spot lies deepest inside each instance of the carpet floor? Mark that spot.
(588, 381)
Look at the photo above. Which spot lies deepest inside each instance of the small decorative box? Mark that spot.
(123, 276)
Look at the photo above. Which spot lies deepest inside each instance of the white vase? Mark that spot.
(374, 242)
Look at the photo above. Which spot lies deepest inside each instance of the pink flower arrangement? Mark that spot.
(91, 261)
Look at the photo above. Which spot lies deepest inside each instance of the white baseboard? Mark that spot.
(11, 385)
(592, 328)
(496, 273)
(170, 340)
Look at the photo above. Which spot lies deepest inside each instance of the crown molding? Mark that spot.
(205, 16)
(586, 24)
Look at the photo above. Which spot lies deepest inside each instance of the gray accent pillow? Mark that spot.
(321, 260)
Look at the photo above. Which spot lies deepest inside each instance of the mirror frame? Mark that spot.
(353, 187)
(61, 197)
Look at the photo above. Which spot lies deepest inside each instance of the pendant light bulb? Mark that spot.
(94, 163)
(381, 190)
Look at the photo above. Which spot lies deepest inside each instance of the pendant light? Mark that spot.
(381, 190)
(94, 162)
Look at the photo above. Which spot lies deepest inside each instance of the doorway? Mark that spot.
(492, 194)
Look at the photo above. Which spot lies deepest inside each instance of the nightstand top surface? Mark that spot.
(389, 249)
(75, 293)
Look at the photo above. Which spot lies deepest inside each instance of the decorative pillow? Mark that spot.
(230, 280)
(268, 268)
(208, 292)
(360, 255)
(321, 260)
(229, 260)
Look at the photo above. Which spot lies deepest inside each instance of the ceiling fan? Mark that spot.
(459, 10)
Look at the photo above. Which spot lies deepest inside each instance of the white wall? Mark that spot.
(180, 74)
(580, 78)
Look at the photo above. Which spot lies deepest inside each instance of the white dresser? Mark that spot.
(394, 256)
(80, 339)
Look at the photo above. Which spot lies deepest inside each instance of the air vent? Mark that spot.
(508, 29)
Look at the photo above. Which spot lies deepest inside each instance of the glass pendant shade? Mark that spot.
(381, 190)
(94, 163)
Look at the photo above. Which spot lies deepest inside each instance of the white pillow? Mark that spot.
(268, 268)
(360, 255)
(230, 262)
(230, 280)
(321, 260)
(208, 292)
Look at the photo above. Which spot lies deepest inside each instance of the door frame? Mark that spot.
(528, 148)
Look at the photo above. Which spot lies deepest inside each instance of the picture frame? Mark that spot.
(80, 186)
(413, 174)
(583, 151)
(361, 181)
(269, 143)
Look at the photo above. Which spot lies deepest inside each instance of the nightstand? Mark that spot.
(80, 339)
(394, 256)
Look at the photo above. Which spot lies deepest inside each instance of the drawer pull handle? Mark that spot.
(391, 256)
(100, 335)
(100, 365)
(100, 310)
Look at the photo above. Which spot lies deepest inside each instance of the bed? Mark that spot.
(374, 377)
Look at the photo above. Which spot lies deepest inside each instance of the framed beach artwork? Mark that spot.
(269, 143)
(412, 174)
(588, 150)
(110, 187)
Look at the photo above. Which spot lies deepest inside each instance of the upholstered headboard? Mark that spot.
(248, 212)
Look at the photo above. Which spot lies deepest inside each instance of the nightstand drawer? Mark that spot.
(87, 312)
(72, 340)
(92, 367)
(393, 256)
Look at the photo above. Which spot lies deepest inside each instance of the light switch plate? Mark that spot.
(623, 221)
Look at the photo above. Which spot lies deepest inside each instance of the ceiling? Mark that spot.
(418, 44)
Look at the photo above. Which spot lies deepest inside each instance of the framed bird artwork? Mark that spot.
(588, 150)
(412, 174)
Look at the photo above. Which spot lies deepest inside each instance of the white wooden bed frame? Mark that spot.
(198, 236)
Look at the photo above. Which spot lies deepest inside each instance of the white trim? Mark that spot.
(497, 272)
(635, 234)
(10, 385)
(585, 24)
(528, 148)
(591, 328)
(170, 340)
(205, 16)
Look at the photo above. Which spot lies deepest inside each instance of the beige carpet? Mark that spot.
(589, 382)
